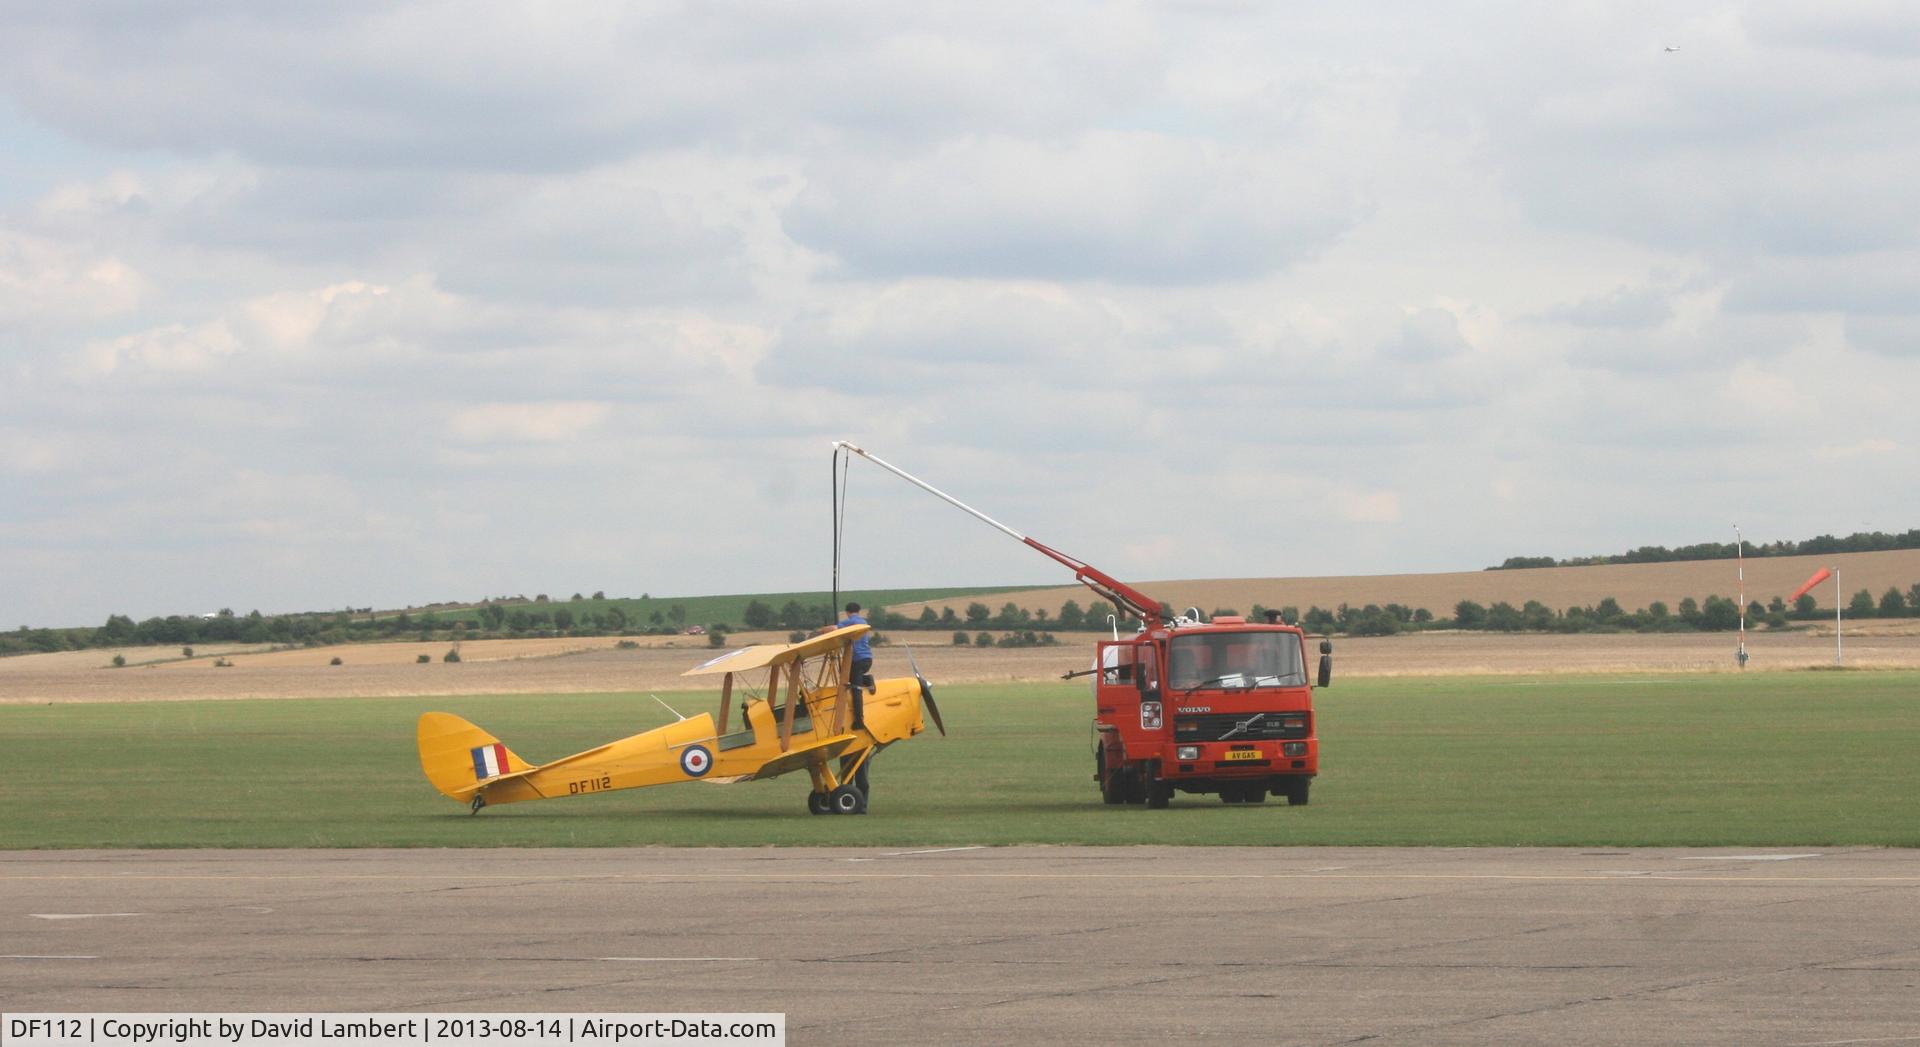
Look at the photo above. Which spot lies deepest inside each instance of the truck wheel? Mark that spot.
(1231, 793)
(1255, 793)
(1297, 792)
(1159, 794)
(1136, 786)
(1113, 790)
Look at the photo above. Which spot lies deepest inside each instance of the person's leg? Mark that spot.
(856, 678)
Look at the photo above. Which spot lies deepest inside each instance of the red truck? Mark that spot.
(1186, 705)
(1221, 706)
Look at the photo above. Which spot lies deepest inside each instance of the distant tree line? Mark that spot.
(1070, 618)
(539, 617)
(1864, 542)
(1714, 614)
(1018, 626)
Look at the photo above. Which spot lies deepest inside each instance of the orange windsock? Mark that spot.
(1818, 576)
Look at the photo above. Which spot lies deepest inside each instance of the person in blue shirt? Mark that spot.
(862, 660)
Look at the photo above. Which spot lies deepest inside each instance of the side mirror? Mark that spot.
(1326, 670)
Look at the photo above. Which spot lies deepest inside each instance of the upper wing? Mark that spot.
(759, 656)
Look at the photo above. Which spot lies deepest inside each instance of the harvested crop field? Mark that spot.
(1634, 585)
(408, 653)
(102, 657)
(386, 670)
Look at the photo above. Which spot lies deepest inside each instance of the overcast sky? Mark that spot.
(310, 306)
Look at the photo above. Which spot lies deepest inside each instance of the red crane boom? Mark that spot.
(1121, 594)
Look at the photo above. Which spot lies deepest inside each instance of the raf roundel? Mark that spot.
(696, 760)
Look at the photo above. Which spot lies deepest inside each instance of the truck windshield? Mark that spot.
(1235, 660)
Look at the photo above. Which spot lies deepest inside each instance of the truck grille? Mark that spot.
(1213, 727)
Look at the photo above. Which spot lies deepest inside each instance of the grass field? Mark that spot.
(1789, 759)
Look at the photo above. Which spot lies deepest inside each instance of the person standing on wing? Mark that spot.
(862, 660)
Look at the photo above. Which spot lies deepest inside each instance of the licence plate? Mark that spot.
(1241, 754)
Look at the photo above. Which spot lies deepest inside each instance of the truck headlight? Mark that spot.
(1187, 752)
(1293, 748)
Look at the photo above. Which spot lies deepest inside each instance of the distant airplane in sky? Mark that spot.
(1671, 50)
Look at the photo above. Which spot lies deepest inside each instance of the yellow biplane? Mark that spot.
(796, 721)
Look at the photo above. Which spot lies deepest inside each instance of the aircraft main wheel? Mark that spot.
(847, 800)
(817, 803)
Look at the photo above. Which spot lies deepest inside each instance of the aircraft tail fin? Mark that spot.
(457, 755)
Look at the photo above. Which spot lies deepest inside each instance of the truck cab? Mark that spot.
(1220, 707)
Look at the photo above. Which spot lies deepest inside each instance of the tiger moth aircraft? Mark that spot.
(792, 718)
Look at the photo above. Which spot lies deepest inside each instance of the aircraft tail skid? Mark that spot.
(457, 755)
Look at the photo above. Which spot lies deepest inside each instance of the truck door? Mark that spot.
(1146, 676)
(1116, 698)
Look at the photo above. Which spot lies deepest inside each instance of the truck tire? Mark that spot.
(1230, 792)
(1159, 794)
(1297, 791)
(1113, 785)
(1254, 793)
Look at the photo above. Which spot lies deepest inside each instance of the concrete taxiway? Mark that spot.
(1004, 945)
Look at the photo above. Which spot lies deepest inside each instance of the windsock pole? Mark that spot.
(1819, 576)
(1740, 562)
(1836, 616)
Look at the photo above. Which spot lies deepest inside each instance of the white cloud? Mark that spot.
(914, 334)
(1128, 206)
(171, 348)
(286, 322)
(1888, 335)
(1624, 306)
(331, 291)
(1762, 392)
(29, 452)
(1426, 335)
(1870, 446)
(560, 85)
(1371, 507)
(47, 284)
(530, 422)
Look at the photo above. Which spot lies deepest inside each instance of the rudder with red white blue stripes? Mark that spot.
(489, 760)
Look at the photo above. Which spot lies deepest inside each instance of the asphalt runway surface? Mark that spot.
(1004, 945)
